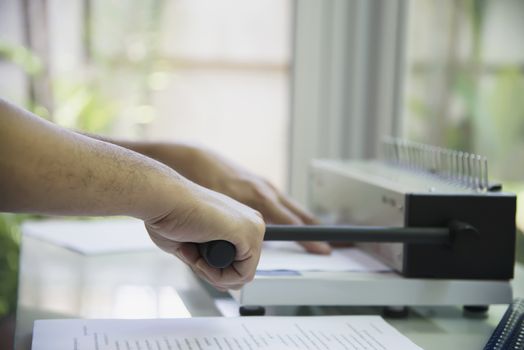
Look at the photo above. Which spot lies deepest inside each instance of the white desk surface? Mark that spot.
(58, 283)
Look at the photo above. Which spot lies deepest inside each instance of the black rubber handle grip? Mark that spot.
(219, 254)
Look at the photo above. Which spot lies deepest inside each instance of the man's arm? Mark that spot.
(49, 170)
(211, 170)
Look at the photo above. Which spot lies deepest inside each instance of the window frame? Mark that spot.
(346, 81)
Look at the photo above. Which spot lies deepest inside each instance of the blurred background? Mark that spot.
(271, 84)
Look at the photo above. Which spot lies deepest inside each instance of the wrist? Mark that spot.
(171, 199)
(187, 159)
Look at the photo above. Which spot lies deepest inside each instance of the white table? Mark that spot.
(58, 283)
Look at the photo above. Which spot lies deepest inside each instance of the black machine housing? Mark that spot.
(374, 193)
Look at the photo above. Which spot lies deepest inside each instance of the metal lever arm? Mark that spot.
(221, 254)
(419, 235)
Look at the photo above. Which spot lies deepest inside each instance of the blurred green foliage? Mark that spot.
(9, 254)
(83, 105)
(503, 124)
(20, 56)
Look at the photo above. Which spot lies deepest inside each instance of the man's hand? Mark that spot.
(219, 174)
(211, 216)
(46, 169)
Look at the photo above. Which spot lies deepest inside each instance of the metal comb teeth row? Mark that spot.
(461, 168)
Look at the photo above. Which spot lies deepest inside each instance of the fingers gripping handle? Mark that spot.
(219, 254)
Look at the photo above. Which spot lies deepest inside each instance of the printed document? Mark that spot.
(241, 333)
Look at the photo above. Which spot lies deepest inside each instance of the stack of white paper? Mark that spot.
(290, 256)
(322, 332)
(92, 236)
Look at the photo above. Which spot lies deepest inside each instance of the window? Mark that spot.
(211, 72)
(465, 82)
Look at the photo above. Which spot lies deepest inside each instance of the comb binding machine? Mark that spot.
(415, 188)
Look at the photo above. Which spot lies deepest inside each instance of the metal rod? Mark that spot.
(346, 233)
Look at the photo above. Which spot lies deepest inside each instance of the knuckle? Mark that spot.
(246, 188)
(248, 278)
(259, 223)
(259, 196)
(163, 244)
